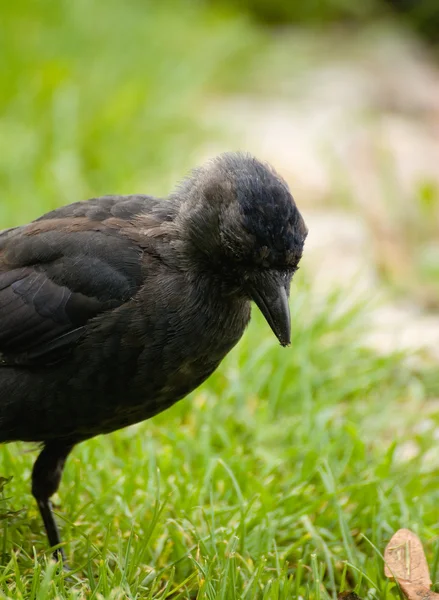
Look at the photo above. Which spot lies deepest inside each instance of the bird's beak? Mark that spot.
(271, 297)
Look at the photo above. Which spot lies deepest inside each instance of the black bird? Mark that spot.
(113, 309)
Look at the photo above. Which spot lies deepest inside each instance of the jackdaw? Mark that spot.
(113, 309)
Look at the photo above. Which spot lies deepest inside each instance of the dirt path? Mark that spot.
(355, 133)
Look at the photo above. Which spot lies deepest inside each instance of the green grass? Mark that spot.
(285, 475)
(282, 477)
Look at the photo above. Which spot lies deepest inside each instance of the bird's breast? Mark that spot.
(194, 348)
(161, 360)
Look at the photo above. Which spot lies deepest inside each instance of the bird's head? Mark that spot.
(240, 220)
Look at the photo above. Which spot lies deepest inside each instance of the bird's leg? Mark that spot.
(46, 476)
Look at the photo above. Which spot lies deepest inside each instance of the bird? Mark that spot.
(114, 308)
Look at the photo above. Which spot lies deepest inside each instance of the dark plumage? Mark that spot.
(113, 309)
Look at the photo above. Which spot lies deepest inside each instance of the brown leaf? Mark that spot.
(405, 561)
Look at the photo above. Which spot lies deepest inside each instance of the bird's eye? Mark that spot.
(286, 274)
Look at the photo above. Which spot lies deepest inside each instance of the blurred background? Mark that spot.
(342, 97)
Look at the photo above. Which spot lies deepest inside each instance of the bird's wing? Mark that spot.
(59, 272)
